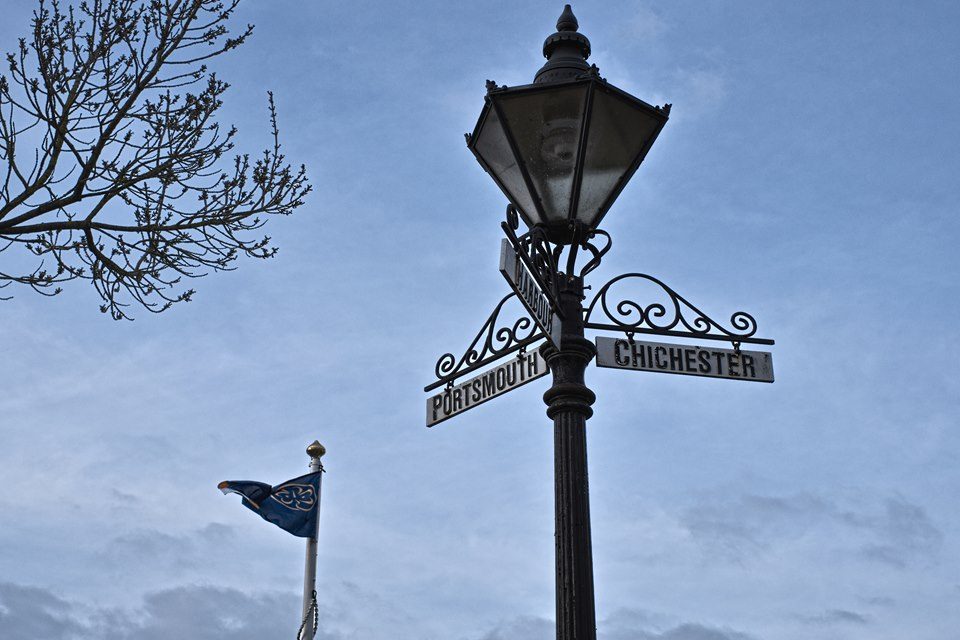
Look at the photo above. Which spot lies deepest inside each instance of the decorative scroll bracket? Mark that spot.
(542, 258)
(490, 345)
(676, 317)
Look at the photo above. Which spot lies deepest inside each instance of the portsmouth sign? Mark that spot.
(486, 386)
(659, 357)
(529, 292)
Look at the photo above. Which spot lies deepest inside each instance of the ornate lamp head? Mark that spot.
(562, 149)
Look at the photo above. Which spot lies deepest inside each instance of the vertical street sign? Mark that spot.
(662, 357)
(529, 292)
(488, 385)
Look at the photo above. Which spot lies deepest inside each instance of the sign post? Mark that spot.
(562, 150)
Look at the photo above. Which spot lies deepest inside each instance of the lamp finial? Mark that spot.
(567, 21)
(566, 51)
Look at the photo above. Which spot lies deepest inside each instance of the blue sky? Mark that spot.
(808, 175)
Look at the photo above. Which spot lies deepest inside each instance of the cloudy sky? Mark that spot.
(808, 175)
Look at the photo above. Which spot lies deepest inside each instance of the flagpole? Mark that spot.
(315, 451)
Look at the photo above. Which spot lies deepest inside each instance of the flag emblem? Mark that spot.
(300, 497)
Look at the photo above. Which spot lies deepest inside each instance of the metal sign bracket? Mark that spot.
(494, 341)
(669, 315)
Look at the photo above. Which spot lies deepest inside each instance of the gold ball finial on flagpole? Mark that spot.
(316, 450)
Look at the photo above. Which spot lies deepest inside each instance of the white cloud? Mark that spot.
(895, 531)
(623, 625)
(644, 22)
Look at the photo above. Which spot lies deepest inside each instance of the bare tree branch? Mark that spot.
(114, 161)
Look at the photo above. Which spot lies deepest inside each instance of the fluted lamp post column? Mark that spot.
(562, 149)
(568, 404)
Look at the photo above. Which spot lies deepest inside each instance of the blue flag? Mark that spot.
(293, 505)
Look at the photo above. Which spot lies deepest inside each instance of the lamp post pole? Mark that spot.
(568, 404)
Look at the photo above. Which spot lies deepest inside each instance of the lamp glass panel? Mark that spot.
(619, 131)
(545, 126)
(492, 146)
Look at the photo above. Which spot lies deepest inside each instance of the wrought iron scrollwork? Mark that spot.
(596, 253)
(492, 343)
(543, 258)
(675, 316)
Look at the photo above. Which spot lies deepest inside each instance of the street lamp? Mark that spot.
(561, 150)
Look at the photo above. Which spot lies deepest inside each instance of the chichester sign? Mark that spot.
(486, 386)
(529, 292)
(660, 357)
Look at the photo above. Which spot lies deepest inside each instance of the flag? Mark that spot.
(293, 505)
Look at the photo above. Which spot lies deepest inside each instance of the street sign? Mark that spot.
(661, 357)
(529, 292)
(486, 386)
